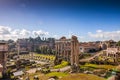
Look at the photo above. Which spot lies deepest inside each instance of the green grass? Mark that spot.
(51, 57)
(0, 74)
(81, 76)
(58, 74)
(63, 64)
(100, 58)
(27, 68)
(100, 66)
(40, 75)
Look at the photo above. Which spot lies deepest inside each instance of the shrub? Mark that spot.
(63, 64)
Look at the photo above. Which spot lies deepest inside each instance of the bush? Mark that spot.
(45, 71)
(63, 64)
(95, 66)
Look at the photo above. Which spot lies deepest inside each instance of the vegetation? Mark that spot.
(82, 77)
(0, 75)
(118, 43)
(45, 71)
(99, 66)
(58, 74)
(27, 67)
(40, 76)
(50, 57)
(63, 64)
(84, 55)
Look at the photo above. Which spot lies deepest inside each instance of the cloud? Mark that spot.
(56, 36)
(9, 33)
(4, 30)
(25, 32)
(40, 33)
(105, 35)
(99, 31)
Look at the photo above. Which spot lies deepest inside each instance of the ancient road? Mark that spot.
(61, 69)
(91, 58)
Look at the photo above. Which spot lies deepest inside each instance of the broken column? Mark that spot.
(74, 54)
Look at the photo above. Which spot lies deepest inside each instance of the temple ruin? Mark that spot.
(67, 49)
(3, 57)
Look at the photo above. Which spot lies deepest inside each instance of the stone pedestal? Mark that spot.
(75, 68)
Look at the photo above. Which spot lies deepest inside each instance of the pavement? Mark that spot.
(61, 69)
(32, 70)
(91, 58)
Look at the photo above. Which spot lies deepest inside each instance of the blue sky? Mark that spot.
(90, 20)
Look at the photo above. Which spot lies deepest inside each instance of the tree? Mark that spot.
(118, 43)
(10, 41)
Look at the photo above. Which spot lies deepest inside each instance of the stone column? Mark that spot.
(74, 54)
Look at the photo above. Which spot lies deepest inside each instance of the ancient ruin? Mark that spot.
(67, 49)
(3, 56)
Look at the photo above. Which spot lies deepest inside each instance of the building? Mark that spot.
(68, 49)
(22, 44)
(3, 56)
(89, 47)
(112, 52)
(32, 44)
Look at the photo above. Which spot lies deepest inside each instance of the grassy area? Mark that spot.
(0, 74)
(51, 57)
(58, 74)
(46, 76)
(63, 64)
(100, 58)
(99, 66)
(66, 76)
(40, 76)
(82, 77)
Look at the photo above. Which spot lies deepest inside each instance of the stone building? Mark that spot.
(3, 56)
(89, 47)
(114, 53)
(31, 44)
(68, 49)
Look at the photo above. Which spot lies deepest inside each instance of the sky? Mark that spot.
(89, 20)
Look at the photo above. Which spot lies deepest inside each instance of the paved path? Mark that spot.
(91, 58)
(111, 78)
(32, 71)
(61, 69)
(40, 62)
(65, 68)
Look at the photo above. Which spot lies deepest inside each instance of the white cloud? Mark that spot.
(15, 32)
(99, 31)
(9, 33)
(56, 36)
(4, 30)
(40, 33)
(25, 32)
(105, 35)
(81, 37)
